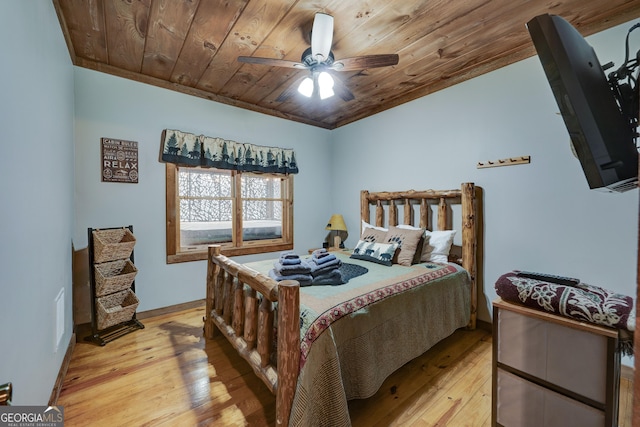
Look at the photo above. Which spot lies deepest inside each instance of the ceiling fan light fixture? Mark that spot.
(306, 87)
(326, 93)
(325, 85)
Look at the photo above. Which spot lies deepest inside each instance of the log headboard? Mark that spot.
(419, 203)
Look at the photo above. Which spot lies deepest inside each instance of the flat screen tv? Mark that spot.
(602, 136)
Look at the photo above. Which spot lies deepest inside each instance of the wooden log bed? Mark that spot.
(240, 301)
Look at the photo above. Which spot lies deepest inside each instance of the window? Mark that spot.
(246, 213)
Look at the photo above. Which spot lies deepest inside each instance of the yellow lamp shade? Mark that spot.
(336, 223)
(338, 233)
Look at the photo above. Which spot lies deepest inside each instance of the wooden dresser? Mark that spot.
(552, 371)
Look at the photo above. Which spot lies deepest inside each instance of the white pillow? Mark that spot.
(437, 245)
(367, 225)
(409, 227)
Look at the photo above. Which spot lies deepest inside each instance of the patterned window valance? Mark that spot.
(188, 149)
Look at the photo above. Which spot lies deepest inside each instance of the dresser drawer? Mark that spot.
(554, 353)
(524, 404)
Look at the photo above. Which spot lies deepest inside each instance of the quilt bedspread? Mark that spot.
(355, 335)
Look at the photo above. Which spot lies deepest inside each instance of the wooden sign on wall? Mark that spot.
(119, 160)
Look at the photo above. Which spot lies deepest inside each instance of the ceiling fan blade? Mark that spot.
(365, 61)
(272, 62)
(341, 90)
(321, 36)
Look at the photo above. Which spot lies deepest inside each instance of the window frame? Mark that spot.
(177, 254)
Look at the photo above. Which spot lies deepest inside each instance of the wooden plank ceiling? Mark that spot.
(192, 46)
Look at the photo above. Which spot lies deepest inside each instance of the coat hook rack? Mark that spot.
(510, 161)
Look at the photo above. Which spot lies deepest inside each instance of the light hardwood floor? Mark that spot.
(168, 375)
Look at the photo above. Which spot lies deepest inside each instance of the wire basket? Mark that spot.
(112, 244)
(114, 276)
(116, 308)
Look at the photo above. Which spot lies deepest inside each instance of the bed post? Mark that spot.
(212, 275)
(364, 208)
(469, 244)
(288, 348)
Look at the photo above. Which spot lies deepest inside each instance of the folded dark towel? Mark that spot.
(319, 253)
(289, 258)
(323, 258)
(334, 277)
(324, 270)
(285, 270)
(303, 279)
(317, 269)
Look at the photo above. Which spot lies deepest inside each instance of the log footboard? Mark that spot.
(240, 304)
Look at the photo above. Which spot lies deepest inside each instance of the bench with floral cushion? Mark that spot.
(582, 302)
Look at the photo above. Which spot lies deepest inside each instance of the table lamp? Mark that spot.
(338, 231)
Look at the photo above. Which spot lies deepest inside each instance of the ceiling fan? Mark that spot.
(319, 60)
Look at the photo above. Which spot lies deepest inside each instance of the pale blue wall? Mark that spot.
(112, 107)
(37, 214)
(539, 217)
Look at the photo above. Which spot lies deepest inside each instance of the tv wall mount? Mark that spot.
(625, 86)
